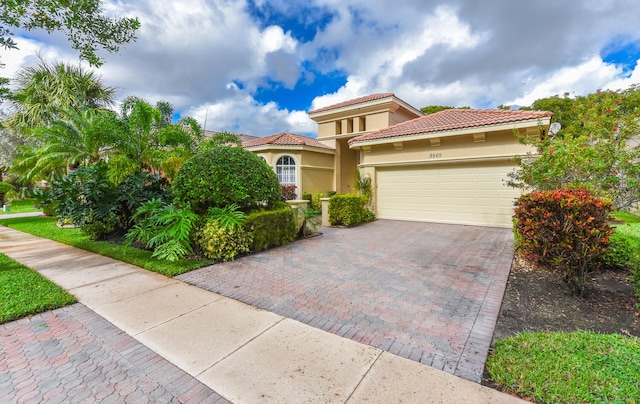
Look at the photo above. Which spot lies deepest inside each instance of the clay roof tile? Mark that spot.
(355, 101)
(286, 139)
(452, 119)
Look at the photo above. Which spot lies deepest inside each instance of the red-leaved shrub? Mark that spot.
(564, 229)
(288, 192)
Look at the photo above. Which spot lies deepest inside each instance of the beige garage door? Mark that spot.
(472, 194)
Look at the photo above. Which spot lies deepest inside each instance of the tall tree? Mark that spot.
(594, 150)
(81, 138)
(84, 23)
(47, 91)
(9, 141)
(152, 142)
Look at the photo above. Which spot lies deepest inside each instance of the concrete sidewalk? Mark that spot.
(246, 355)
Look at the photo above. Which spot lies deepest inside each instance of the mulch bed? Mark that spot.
(537, 299)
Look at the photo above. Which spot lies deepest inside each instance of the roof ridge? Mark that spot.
(286, 138)
(354, 101)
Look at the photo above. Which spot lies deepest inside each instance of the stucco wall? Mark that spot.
(314, 180)
(399, 116)
(377, 121)
(502, 143)
(317, 159)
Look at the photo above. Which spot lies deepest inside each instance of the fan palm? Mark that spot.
(82, 138)
(45, 92)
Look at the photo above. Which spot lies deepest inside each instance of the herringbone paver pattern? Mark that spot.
(72, 355)
(427, 292)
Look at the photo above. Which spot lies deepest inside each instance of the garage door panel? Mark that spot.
(450, 193)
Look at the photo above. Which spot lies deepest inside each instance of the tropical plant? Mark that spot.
(151, 141)
(164, 228)
(221, 176)
(311, 221)
(566, 230)
(363, 186)
(228, 217)
(86, 26)
(5, 189)
(593, 151)
(87, 198)
(288, 192)
(10, 140)
(82, 138)
(48, 91)
(223, 138)
(222, 243)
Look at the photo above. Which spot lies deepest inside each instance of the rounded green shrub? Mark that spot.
(222, 176)
(620, 251)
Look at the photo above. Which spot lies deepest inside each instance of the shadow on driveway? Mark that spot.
(424, 291)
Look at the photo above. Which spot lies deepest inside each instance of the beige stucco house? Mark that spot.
(447, 167)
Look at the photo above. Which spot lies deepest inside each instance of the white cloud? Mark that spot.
(243, 114)
(583, 78)
(382, 63)
(204, 54)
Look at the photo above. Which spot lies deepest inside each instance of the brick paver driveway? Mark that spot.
(427, 292)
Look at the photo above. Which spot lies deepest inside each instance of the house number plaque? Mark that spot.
(435, 155)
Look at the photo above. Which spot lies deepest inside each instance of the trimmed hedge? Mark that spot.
(349, 210)
(271, 228)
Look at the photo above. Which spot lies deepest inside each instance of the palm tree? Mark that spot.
(152, 142)
(46, 92)
(81, 138)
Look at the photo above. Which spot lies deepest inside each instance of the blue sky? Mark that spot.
(258, 66)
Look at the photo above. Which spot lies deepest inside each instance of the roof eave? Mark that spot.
(543, 121)
(380, 102)
(268, 147)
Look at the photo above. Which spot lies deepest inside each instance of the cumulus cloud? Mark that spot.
(216, 58)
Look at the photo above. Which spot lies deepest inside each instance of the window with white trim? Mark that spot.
(286, 170)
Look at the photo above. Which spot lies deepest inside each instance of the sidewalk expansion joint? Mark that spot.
(242, 346)
(365, 375)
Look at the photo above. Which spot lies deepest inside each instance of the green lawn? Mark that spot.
(46, 227)
(575, 367)
(578, 367)
(21, 206)
(23, 291)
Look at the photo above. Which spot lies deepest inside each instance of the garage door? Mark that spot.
(472, 194)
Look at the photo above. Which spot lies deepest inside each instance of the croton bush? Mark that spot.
(564, 229)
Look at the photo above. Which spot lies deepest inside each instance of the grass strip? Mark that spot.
(23, 291)
(46, 227)
(576, 367)
(21, 206)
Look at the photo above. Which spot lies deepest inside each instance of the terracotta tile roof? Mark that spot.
(356, 101)
(286, 139)
(452, 119)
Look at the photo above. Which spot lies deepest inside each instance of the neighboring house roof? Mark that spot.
(243, 137)
(361, 100)
(285, 139)
(452, 119)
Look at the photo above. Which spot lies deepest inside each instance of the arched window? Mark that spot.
(286, 170)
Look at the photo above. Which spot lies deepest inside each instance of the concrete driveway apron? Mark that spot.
(424, 291)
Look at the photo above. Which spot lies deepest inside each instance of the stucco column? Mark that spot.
(325, 211)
